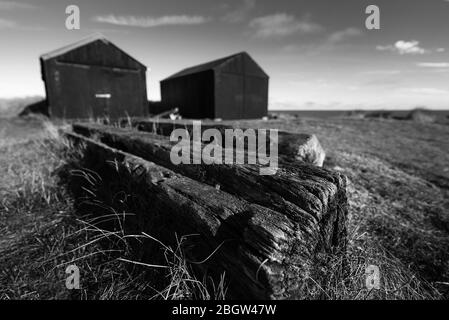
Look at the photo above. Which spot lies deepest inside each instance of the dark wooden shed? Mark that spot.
(233, 87)
(94, 78)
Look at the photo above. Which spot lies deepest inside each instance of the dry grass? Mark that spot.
(398, 175)
(398, 221)
(12, 107)
(41, 234)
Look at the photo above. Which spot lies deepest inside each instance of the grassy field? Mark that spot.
(11, 107)
(398, 175)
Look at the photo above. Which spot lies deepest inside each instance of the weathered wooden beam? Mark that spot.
(300, 146)
(301, 191)
(266, 253)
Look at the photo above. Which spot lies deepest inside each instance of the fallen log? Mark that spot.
(299, 146)
(266, 253)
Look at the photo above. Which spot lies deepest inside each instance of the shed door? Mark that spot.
(101, 105)
(83, 92)
(118, 93)
(101, 93)
(92, 92)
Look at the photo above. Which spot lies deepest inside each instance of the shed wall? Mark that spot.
(235, 88)
(74, 79)
(72, 90)
(192, 94)
(240, 96)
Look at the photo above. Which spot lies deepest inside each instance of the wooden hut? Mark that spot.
(233, 87)
(94, 78)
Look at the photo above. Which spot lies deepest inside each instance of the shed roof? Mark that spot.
(78, 44)
(72, 46)
(212, 65)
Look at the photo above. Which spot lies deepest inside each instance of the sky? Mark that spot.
(318, 53)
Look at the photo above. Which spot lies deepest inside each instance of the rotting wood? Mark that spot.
(300, 146)
(301, 191)
(267, 254)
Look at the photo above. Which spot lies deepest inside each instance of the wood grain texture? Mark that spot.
(273, 232)
(299, 146)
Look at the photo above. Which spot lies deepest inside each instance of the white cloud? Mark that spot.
(382, 72)
(7, 24)
(341, 35)
(148, 22)
(11, 5)
(433, 64)
(426, 91)
(281, 25)
(10, 24)
(385, 48)
(409, 47)
(240, 13)
(324, 43)
(404, 47)
(441, 49)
